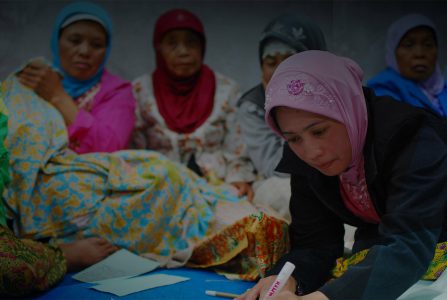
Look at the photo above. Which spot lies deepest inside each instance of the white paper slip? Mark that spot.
(122, 263)
(137, 284)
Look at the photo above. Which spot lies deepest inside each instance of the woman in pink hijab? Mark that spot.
(355, 158)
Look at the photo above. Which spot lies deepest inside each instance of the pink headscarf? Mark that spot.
(329, 85)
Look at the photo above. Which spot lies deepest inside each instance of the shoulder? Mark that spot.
(227, 92)
(385, 112)
(225, 84)
(142, 88)
(392, 81)
(386, 75)
(113, 79)
(393, 124)
(142, 79)
(254, 95)
(224, 79)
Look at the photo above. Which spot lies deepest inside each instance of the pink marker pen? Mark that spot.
(282, 278)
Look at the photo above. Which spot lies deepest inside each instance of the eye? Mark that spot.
(97, 45)
(406, 44)
(319, 132)
(75, 40)
(430, 44)
(193, 41)
(294, 140)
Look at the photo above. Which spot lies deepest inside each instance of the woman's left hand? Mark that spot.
(42, 79)
(244, 188)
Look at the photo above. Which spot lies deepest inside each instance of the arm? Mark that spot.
(316, 236)
(46, 83)
(239, 166)
(263, 145)
(410, 228)
(108, 126)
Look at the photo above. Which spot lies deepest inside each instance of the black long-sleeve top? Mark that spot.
(406, 173)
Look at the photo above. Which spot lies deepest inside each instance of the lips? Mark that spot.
(324, 165)
(82, 65)
(419, 68)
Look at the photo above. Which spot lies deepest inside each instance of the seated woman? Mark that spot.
(413, 74)
(278, 41)
(98, 108)
(28, 266)
(136, 199)
(186, 110)
(357, 158)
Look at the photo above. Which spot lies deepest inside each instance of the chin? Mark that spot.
(328, 173)
(331, 171)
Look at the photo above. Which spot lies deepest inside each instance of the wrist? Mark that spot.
(59, 98)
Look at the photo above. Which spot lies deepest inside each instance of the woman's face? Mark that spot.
(321, 142)
(417, 53)
(82, 46)
(181, 50)
(269, 64)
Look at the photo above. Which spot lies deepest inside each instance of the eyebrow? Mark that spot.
(305, 128)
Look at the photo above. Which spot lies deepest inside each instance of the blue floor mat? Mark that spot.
(193, 289)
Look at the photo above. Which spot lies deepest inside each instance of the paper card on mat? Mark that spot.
(120, 264)
(138, 284)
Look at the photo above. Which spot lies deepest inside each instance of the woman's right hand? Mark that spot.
(42, 79)
(47, 83)
(261, 288)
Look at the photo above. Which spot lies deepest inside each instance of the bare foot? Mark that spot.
(86, 252)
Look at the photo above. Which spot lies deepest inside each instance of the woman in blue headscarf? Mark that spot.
(413, 74)
(98, 107)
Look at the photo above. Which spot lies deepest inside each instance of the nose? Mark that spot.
(313, 151)
(84, 48)
(419, 51)
(182, 49)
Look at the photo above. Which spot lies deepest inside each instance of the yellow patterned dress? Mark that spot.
(25, 265)
(136, 199)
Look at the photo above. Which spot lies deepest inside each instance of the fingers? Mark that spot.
(30, 82)
(250, 194)
(31, 76)
(244, 188)
(36, 70)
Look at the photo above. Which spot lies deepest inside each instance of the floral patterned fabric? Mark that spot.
(434, 271)
(28, 266)
(136, 199)
(217, 144)
(245, 250)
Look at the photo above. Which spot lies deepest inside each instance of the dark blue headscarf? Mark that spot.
(72, 86)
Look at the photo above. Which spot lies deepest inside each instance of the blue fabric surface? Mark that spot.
(193, 289)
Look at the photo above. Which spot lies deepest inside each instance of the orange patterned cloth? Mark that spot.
(244, 250)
